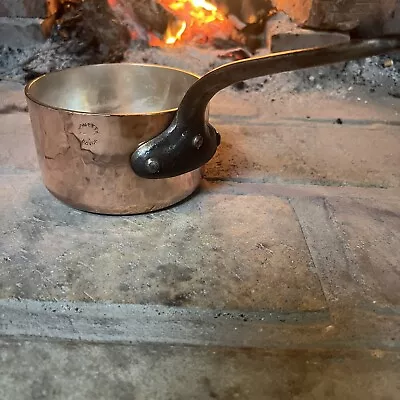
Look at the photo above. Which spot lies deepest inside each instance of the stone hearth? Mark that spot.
(278, 279)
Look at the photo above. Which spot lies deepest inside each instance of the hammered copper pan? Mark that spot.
(132, 138)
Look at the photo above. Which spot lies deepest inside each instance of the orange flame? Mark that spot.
(196, 21)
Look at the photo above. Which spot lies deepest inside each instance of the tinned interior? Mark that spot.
(112, 89)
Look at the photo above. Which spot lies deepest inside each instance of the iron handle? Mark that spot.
(190, 141)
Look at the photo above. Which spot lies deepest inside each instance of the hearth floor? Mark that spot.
(278, 279)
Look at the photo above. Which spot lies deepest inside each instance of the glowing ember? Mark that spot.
(197, 21)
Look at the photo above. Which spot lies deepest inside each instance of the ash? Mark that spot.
(22, 65)
(374, 73)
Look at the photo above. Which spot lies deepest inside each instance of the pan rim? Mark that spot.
(32, 98)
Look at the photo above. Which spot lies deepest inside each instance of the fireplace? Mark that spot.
(42, 36)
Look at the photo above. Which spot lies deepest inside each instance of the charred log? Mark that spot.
(153, 16)
(144, 18)
(80, 33)
(90, 26)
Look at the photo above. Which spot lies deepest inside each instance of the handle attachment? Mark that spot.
(190, 141)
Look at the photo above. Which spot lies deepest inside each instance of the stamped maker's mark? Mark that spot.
(87, 133)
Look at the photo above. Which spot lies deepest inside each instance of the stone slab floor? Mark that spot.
(278, 279)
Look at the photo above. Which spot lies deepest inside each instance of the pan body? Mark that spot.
(87, 121)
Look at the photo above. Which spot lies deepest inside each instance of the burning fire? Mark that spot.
(196, 20)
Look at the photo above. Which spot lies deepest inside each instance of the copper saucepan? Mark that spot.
(132, 138)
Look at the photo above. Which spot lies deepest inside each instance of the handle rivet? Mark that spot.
(152, 165)
(198, 141)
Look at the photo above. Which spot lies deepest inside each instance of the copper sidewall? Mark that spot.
(85, 161)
